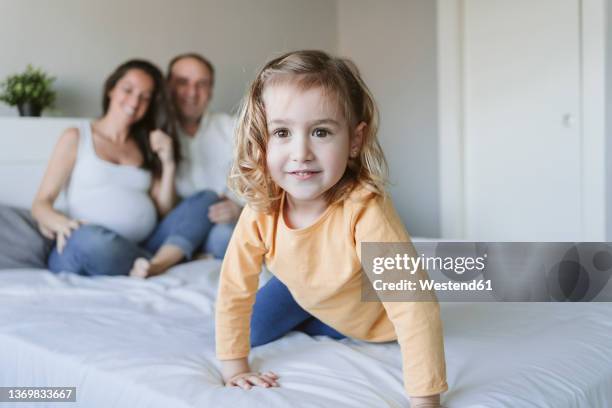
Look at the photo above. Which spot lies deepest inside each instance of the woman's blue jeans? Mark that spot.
(276, 313)
(94, 250)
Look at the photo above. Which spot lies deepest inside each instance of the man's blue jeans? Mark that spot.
(276, 313)
(94, 250)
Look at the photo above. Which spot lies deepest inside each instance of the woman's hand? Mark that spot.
(60, 227)
(161, 144)
(250, 379)
(163, 191)
(51, 223)
(46, 232)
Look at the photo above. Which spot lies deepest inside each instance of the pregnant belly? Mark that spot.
(128, 213)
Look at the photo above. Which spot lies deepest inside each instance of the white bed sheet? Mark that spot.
(131, 343)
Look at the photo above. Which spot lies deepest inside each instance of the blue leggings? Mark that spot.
(276, 313)
(95, 250)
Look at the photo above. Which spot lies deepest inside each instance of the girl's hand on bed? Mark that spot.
(248, 380)
(432, 401)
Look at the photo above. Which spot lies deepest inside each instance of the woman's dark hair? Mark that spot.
(159, 115)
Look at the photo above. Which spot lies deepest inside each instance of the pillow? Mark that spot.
(21, 244)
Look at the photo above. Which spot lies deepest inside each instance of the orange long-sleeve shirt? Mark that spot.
(320, 264)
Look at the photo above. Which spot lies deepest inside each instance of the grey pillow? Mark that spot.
(21, 244)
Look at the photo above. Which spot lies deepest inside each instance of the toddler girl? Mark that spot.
(310, 167)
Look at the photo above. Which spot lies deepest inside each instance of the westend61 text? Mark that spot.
(430, 284)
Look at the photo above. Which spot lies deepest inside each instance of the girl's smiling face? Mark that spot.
(310, 141)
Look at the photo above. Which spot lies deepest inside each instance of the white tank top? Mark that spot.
(112, 195)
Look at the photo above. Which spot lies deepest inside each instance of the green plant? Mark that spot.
(33, 85)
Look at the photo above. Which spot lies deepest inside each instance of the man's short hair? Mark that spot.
(196, 57)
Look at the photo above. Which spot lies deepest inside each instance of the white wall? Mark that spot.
(394, 44)
(82, 41)
(392, 41)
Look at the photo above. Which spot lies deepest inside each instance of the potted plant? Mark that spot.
(30, 91)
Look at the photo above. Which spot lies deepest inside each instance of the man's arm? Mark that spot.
(225, 211)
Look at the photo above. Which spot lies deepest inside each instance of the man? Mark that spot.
(206, 146)
(204, 219)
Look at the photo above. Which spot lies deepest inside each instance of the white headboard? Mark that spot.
(25, 147)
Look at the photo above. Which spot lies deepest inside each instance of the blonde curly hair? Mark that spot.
(249, 177)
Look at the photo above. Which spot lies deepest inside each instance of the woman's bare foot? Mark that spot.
(167, 256)
(141, 268)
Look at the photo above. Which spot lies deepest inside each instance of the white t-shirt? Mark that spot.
(207, 156)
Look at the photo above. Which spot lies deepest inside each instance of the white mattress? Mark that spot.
(132, 343)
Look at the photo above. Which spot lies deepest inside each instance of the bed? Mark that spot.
(149, 343)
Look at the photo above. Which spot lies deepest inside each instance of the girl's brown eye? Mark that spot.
(319, 132)
(281, 133)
